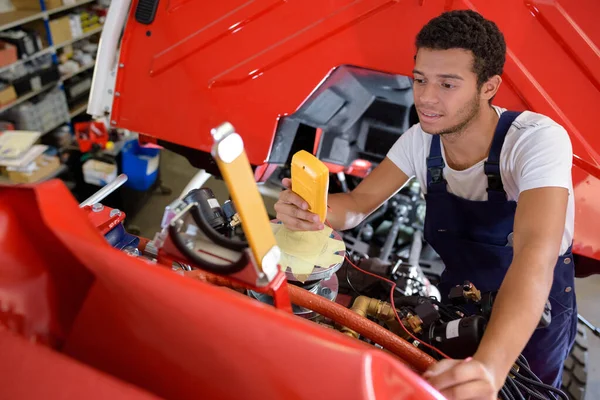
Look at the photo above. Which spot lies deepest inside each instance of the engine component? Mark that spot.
(322, 281)
(458, 338)
(209, 206)
(340, 314)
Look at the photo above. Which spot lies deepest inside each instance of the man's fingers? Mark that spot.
(293, 211)
(287, 183)
(295, 224)
(469, 391)
(288, 196)
(461, 373)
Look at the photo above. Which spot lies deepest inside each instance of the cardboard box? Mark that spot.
(35, 4)
(8, 53)
(60, 29)
(45, 165)
(7, 95)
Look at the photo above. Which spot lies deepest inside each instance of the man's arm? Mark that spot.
(538, 230)
(346, 210)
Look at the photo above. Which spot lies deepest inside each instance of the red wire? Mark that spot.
(391, 300)
(394, 307)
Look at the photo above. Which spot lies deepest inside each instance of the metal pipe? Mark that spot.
(390, 241)
(587, 323)
(415, 249)
(105, 191)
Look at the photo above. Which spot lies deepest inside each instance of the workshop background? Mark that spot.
(47, 51)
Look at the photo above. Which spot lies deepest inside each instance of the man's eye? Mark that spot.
(447, 86)
(419, 80)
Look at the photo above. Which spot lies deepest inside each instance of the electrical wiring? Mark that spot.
(394, 307)
(391, 299)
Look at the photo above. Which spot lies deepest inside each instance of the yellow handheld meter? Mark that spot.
(310, 180)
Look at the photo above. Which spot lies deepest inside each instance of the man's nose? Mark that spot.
(428, 94)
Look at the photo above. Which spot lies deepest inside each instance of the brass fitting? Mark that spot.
(470, 292)
(383, 311)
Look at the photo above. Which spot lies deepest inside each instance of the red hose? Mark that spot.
(340, 314)
(412, 356)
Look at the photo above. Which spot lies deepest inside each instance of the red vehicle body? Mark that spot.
(113, 327)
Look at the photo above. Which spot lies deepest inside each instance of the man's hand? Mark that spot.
(292, 211)
(467, 379)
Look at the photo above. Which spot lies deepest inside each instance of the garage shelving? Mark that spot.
(17, 19)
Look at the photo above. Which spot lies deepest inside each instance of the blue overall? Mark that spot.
(471, 237)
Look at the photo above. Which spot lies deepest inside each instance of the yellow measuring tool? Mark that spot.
(310, 180)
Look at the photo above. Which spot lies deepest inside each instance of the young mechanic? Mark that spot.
(499, 195)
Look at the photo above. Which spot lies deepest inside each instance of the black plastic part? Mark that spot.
(456, 295)
(464, 339)
(215, 236)
(209, 206)
(228, 210)
(226, 269)
(361, 114)
(427, 313)
(146, 11)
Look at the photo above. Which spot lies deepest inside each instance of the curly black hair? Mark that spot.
(466, 29)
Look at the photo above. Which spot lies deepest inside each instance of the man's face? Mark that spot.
(445, 90)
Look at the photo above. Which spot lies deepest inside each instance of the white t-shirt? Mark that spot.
(537, 152)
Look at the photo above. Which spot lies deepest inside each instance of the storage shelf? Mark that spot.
(84, 36)
(78, 109)
(19, 17)
(27, 96)
(55, 127)
(15, 18)
(79, 71)
(68, 7)
(50, 49)
(31, 57)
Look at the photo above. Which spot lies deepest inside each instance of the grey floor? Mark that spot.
(176, 173)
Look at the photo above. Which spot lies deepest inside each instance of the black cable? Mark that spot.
(524, 367)
(223, 269)
(350, 283)
(511, 383)
(523, 361)
(200, 220)
(549, 388)
(452, 315)
(506, 393)
(534, 393)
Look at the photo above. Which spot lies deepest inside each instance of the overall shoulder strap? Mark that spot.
(435, 167)
(495, 187)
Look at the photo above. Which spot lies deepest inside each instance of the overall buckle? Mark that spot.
(436, 174)
(495, 183)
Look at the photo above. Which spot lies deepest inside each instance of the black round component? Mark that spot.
(459, 338)
(209, 206)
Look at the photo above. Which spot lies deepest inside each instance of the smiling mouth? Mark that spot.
(429, 114)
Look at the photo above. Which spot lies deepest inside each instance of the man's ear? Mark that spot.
(490, 87)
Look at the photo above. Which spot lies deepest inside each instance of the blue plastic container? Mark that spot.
(140, 165)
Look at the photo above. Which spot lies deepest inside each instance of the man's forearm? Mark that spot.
(516, 313)
(344, 211)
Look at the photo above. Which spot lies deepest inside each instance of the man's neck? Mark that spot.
(472, 144)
